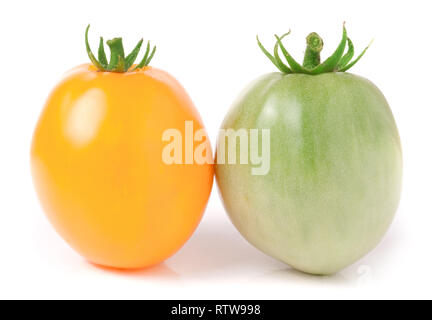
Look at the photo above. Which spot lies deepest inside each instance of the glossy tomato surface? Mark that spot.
(335, 173)
(97, 165)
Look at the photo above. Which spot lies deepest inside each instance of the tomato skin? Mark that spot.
(97, 166)
(335, 172)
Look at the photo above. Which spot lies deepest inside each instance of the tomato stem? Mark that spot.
(337, 62)
(312, 56)
(118, 62)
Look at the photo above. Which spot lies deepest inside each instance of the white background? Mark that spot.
(209, 46)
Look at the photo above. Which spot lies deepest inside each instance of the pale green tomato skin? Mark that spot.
(335, 173)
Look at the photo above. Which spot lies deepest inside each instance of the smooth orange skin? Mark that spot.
(97, 166)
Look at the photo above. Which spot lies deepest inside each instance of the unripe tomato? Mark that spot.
(335, 166)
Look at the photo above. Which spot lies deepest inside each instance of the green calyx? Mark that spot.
(339, 61)
(118, 61)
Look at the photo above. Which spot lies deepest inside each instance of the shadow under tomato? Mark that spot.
(218, 250)
(295, 276)
(160, 271)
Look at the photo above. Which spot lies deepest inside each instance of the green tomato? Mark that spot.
(335, 169)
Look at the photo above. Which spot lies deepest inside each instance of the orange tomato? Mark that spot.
(97, 166)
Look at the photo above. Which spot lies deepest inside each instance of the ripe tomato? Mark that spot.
(97, 165)
(335, 166)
